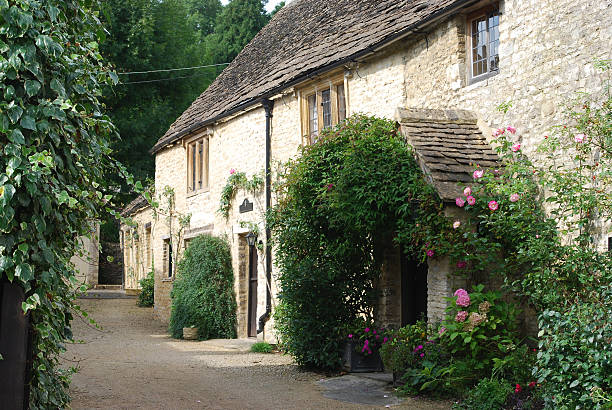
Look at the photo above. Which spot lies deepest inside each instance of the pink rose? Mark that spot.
(467, 191)
(498, 132)
(493, 205)
(516, 147)
(232, 171)
(461, 316)
(471, 200)
(460, 292)
(456, 224)
(579, 138)
(478, 173)
(460, 202)
(430, 253)
(514, 197)
(511, 129)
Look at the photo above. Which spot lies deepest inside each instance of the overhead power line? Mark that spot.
(164, 79)
(173, 69)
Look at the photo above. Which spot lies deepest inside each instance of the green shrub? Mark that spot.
(575, 357)
(488, 394)
(398, 354)
(340, 204)
(146, 297)
(262, 347)
(203, 292)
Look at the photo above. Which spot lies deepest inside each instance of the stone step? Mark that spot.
(108, 287)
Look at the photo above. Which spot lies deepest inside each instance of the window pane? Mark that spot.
(313, 121)
(193, 167)
(326, 104)
(479, 46)
(493, 42)
(200, 160)
(341, 103)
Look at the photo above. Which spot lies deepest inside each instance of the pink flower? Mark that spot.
(537, 236)
(442, 330)
(430, 253)
(377, 336)
(579, 138)
(232, 171)
(516, 147)
(498, 132)
(419, 347)
(422, 354)
(467, 191)
(385, 339)
(471, 200)
(532, 384)
(461, 264)
(463, 300)
(511, 129)
(493, 205)
(350, 336)
(478, 173)
(330, 187)
(460, 202)
(460, 292)
(461, 316)
(456, 224)
(367, 329)
(518, 388)
(374, 331)
(514, 197)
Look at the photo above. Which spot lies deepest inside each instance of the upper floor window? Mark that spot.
(197, 165)
(323, 106)
(483, 30)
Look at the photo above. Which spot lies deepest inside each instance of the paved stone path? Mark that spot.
(133, 364)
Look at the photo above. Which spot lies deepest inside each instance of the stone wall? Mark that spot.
(547, 50)
(87, 260)
(136, 248)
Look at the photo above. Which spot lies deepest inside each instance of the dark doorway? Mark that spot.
(252, 301)
(414, 291)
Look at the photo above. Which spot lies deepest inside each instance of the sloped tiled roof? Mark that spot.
(304, 38)
(136, 205)
(448, 145)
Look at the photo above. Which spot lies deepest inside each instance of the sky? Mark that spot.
(269, 7)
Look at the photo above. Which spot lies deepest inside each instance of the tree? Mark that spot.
(55, 144)
(239, 22)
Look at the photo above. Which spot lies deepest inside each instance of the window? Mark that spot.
(168, 258)
(323, 106)
(197, 165)
(149, 253)
(483, 50)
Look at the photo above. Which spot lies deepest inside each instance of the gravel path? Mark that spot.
(133, 364)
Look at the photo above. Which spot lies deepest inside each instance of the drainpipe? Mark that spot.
(268, 106)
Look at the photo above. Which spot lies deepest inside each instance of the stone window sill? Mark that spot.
(483, 77)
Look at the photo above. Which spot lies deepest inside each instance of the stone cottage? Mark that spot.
(439, 67)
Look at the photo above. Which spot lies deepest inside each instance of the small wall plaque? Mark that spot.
(246, 206)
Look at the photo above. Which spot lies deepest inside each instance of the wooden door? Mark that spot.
(252, 301)
(414, 291)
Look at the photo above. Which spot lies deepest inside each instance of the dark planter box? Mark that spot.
(356, 362)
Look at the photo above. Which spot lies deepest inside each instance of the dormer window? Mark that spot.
(483, 50)
(323, 106)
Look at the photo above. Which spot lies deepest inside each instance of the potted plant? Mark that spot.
(401, 350)
(190, 333)
(361, 351)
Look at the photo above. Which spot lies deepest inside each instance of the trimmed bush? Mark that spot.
(146, 297)
(203, 292)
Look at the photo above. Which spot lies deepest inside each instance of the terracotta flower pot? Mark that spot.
(190, 333)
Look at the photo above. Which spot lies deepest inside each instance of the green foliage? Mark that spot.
(340, 204)
(55, 155)
(488, 394)
(146, 297)
(262, 347)
(203, 292)
(399, 354)
(236, 181)
(575, 357)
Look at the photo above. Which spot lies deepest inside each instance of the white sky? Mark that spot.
(270, 6)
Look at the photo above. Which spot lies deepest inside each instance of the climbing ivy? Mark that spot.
(54, 140)
(236, 181)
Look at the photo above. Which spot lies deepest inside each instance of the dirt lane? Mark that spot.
(133, 364)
